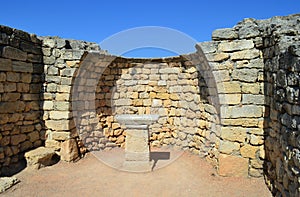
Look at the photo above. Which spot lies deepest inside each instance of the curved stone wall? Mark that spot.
(234, 101)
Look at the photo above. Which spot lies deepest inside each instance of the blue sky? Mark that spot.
(96, 20)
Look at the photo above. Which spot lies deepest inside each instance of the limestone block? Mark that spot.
(48, 105)
(251, 88)
(249, 151)
(233, 166)
(69, 150)
(246, 75)
(245, 54)
(253, 99)
(52, 144)
(61, 106)
(59, 125)
(221, 75)
(61, 135)
(230, 99)
(62, 97)
(224, 34)
(229, 87)
(228, 147)
(256, 140)
(49, 42)
(235, 134)
(5, 64)
(64, 88)
(12, 77)
(22, 66)
(217, 57)
(40, 157)
(236, 45)
(7, 182)
(14, 53)
(58, 115)
(245, 111)
(207, 47)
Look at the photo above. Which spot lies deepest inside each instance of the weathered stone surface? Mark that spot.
(245, 111)
(249, 151)
(236, 45)
(14, 53)
(40, 157)
(227, 147)
(60, 125)
(235, 134)
(229, 87)
(233, 166)
(224, 34)
(5, 64)
(69, 150)
(245, 54)
(247, 75)
(18, 66)
(7, 182)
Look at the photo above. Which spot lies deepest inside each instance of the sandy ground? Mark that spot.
(185, 175)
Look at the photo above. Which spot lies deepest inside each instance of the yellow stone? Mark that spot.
(229, 87)
(161, 95)
(234, 134)
(249, 151)
(174, 97)
(152, 94)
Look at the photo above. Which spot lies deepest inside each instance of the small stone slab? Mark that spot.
(40, 157)
(7, 182)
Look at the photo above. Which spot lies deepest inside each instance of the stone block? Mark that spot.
(230, 99)
(229, 87)
(14, 53)
(245, 54)
(221, 75)
(18, 66)
(60, 125)
(61, 135)
(253, 99)
(233, 166)
(5, 64)
(40, 157)
(17, 139)
(217, 57)
(7, 182)
(62, 97)
(48, 105)
(244, 111)
(228, 147)
(61, 106)
(69, 150)
(245, 75)
(52, 144)
(224, 34)
(34, 136)
(58, 115)
(207, 47)
(236, 45)
(251, 88)
(249, 151)
(235, 134)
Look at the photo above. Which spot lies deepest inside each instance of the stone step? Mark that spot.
(41, 157)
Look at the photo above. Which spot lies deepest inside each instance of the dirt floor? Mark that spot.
(186, 175)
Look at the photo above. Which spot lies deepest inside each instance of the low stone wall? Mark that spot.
(21, 79)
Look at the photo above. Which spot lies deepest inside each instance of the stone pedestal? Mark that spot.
(137, 152)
